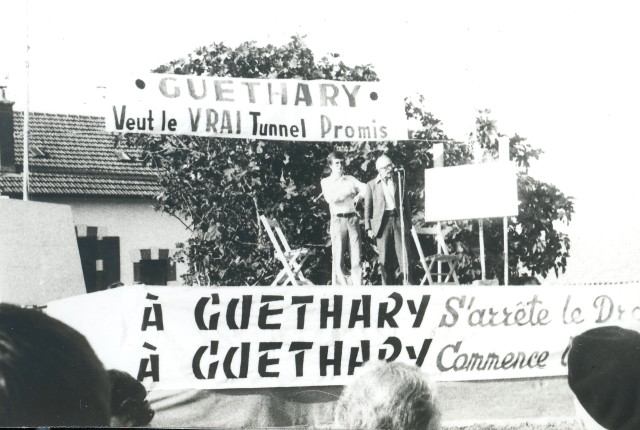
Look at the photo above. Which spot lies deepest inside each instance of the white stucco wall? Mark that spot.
(134, 221)
(39, 258)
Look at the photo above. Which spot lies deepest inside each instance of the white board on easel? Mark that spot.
(473, 191)
(39, 257)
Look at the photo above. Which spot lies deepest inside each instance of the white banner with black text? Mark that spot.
(275, 109)
(243, 337)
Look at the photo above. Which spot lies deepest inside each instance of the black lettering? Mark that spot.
(304, 301)
(365, 316)
(148, 322)
(454, 314)
(226, 127)
(303, 94)
(244, 361)
(422, 354)
(255, 116)
(439, 363)
(353, 357)
(154, 372)
(605, 307)
(212, 123)
(197, 358)
(120, 123)
(419, 313)
(192, 89)
(163, 88)
(383, 315)
(299, 357)
(325, 361)
(264, 361)
(336, 313)
(265, 312)
(220, 92)
(199, 313)
(352, 95)
(195, 121)
(326, 97)
(246, 312)
(252, 95)
(396, 344)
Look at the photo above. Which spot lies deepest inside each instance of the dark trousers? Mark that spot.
(389, 240)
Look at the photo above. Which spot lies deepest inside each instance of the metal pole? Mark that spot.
(504, 156)
(481, 233)
(505, 223)
(405, 265)
(478, 154)
(439, 263)
(438, 161)
(25, 137)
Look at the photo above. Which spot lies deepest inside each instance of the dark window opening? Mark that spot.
(100, 260)
(154, 272)
(88, 247)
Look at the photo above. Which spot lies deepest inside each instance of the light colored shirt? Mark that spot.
(342, 193)
(389, 191)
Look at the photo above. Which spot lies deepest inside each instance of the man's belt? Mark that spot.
(346, 215)
(392, 212)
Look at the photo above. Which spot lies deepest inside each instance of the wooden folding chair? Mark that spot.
(291, 259)
(442, 256)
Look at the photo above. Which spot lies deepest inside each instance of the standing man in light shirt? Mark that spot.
(342, 192)
(382, 219)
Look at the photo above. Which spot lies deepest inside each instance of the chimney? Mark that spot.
(7, 149)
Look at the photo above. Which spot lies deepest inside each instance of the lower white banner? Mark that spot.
(250, 337)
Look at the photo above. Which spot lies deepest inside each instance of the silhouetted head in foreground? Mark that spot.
(604, 374)
(129, 407)
(393, 396)
(529, 280)
(49, 374)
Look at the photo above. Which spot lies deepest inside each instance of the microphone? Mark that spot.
(398, 169)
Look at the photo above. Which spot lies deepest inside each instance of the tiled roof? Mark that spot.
(80, 159)
(79, 185)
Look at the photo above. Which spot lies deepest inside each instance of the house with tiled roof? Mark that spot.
(73, 161)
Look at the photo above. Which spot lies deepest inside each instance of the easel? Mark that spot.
(472, 181)
(503, 155)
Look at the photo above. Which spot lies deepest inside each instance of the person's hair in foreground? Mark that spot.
(388, 395)
(129, 407)
(604, 374)
(49, 374)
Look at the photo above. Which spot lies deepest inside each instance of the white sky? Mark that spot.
(563, 74)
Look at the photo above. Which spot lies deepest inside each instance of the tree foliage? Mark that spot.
(218, 187)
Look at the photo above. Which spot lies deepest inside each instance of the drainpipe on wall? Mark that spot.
(7, 144)
(25, 143)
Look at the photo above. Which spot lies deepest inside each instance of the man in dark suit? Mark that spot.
(382, 219)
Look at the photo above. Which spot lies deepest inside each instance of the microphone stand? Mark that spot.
(405, 264)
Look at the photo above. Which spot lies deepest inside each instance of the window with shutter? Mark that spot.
(154, 272)
(88, 247)
(99, 257)
(110, 250)
(136, 272)
(153, 266)
(171, 275)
